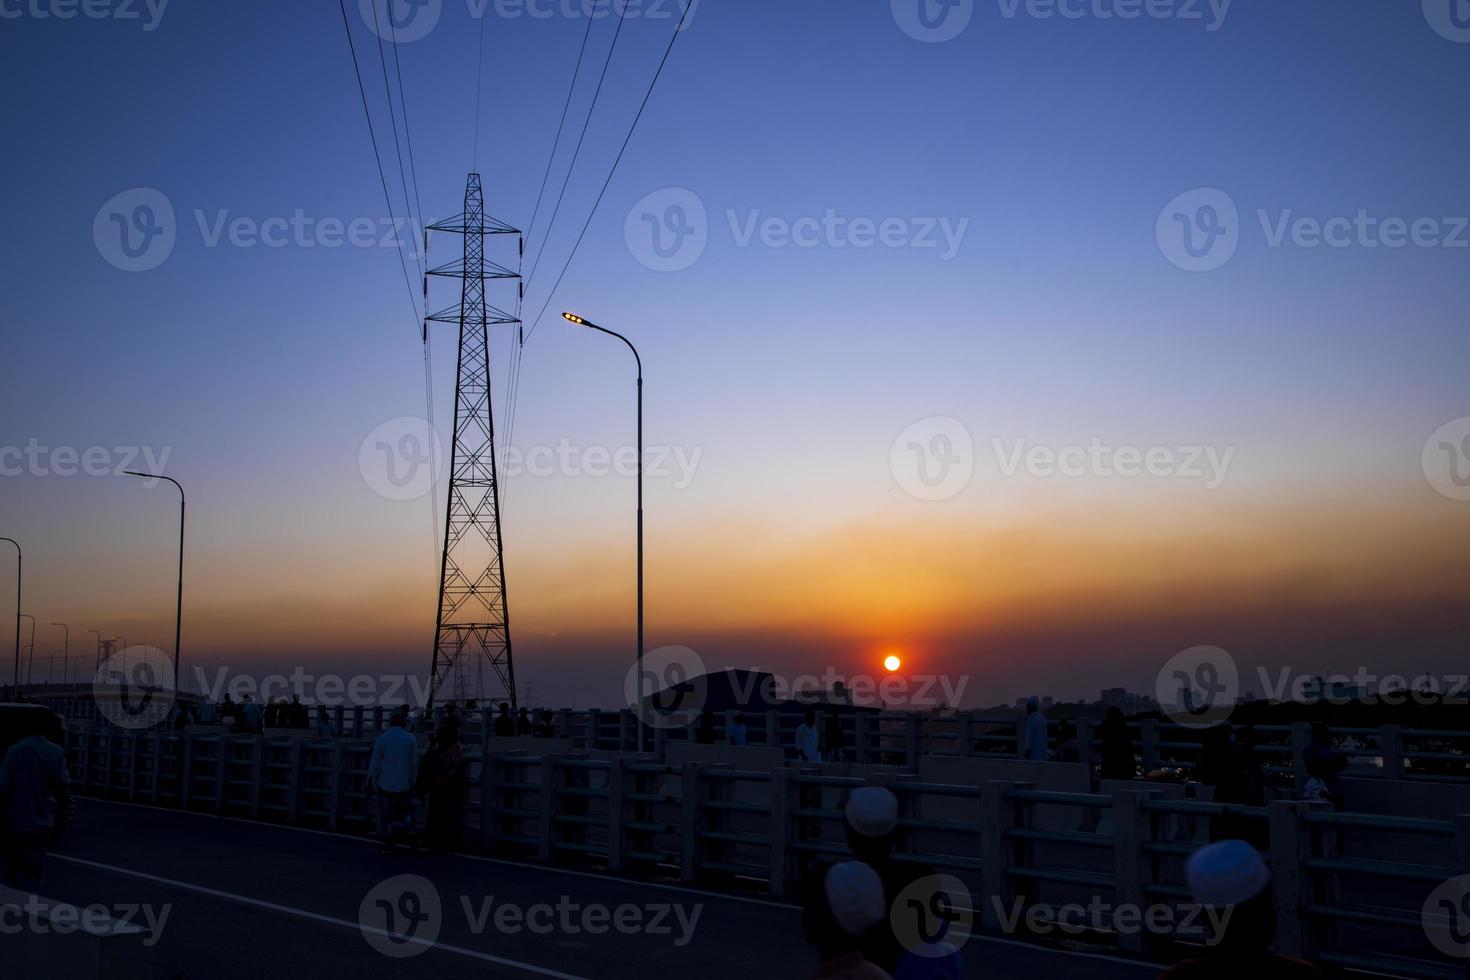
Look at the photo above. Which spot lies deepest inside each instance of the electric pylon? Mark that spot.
(473, 626)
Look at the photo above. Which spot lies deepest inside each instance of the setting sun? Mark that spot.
(892, 663)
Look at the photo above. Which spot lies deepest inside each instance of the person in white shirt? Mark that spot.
(806, 739)
(392, 772)
(1035, 747)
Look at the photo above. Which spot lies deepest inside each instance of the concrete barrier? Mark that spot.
(46, 938)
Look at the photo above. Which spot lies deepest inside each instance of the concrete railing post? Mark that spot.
(186, 771)
(1133, 869)
(257, 791)
(997, 816)
(1291, 847)
(339, 784)
(564, 723)
(617, 788)
(357, 721)
(1391, 748)
(549, 805)
(691, 820)
(913, 742)
(781, 797)
(377, 719)
(489, 800)
(773, 728)
(967, 735)
(862, 724)
(1021, 737)
(594, 730)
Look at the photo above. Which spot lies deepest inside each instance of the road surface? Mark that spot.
(247, 899)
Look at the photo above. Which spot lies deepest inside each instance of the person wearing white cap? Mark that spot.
(1232, 880)
(870, 817)
(843, 903)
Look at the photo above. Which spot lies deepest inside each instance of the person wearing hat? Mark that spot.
(843, 903)
(870, 818)
(1231, 876)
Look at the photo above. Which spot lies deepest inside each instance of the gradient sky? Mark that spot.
(791, 371)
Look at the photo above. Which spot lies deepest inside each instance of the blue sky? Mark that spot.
(1055, 141)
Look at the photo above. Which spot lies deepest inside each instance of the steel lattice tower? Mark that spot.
(473, 626)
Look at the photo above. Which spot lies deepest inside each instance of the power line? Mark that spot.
(393, 118)
(377, 155)
(513, 389)
(407, 135)
(546, 238)
(611, 173)
(571, 90)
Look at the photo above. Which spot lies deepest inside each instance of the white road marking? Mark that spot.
(317, 917)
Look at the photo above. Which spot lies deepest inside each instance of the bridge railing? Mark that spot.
(1350, 888)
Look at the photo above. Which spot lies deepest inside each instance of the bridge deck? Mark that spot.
(249, 898)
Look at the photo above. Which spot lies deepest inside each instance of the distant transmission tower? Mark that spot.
(473, 627)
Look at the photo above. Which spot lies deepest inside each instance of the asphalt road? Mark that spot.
(245, 900)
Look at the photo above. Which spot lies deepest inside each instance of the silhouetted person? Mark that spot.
(324, 726)
(392, 772)
(832, 736)
(1067, 747)
(704, 731)
(35, 792)
(738, 733)
(442, 780)
(1324, 764)
(523, 723)
(272, 714)
(505, 726)
(1220, 766)
(870, 820)
(841, 905)
(1230, 876)
(298, 716)
(251, 715)
(546, 728)
(207, 714)
(1117, 747)
(806, 739)
(1035, 748)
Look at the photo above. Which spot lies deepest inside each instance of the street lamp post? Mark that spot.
(579, 321)
(99, 649)
(66, 652)
(17, 611)
(179, 607)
